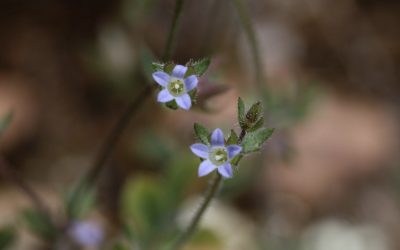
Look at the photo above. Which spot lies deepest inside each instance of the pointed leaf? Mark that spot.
(241, 115)
(202, 133)
(254, 112)
(233, 138)
(201, 66)
(253, 141)
(257, 125)
(157, 66)
(172, 105)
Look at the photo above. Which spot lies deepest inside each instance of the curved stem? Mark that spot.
(213, 188)
(112, 139)
(212, 191)
(172, 31)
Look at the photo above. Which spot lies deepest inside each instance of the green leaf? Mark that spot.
(241, 115)
(201, 66)
(157, 66)
(202, 133)
(80, 202)
(253, 141)
(7, 237)
(257, 125)
(233, 138)
(40, 224)
(172, 105)
(5, 121)
(254, 112)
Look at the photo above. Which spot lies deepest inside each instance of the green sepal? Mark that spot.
(235, 160)
(169, 67)
(193, 95)
(201, 133)
(253, 141)
(241, 115)
(7, 237)
(166, 67)
(254, 113)
(39, 224)
(198, 67)
(157, 66)
(172, 105)
(257, 125)
(233, 138)
(5, 121)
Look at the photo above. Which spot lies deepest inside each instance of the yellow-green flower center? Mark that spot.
(176, 87)
(219, 156)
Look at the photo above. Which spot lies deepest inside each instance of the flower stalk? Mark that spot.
(210, 194)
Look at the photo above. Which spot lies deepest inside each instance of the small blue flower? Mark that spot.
(86, 233)
(216, 156)
(175, 86)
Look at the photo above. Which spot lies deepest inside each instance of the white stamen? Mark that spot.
(176, 86)
(218, 157)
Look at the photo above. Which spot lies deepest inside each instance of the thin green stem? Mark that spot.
(112, 139)
(172, 31)
(212, 191)
(213, 188)
(246, 21)
(88, 181)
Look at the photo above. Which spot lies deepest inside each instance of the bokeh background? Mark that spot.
(329, 177)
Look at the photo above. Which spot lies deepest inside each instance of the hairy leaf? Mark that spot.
(202, 133)
(253, 141)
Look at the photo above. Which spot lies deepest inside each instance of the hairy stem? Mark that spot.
(172, 31)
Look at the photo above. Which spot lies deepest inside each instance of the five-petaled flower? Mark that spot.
(216, 156)
(176, 86)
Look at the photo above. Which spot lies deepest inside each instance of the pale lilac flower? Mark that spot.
(175, 86)
(86, 233)
(217, 156)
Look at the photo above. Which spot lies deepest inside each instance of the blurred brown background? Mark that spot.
(331, 178)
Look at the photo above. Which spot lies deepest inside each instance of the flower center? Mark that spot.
(176, 87)
(219, 156)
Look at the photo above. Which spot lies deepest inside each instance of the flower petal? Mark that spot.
(191, 82)
(233, 150)
(205, 168)
(200, 150)
(184, 101)
(179, 71)
(217, 138)
(164, 96)
(226, 170)
(161, 78)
